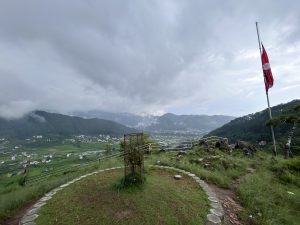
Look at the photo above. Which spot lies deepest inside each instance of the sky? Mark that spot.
(146, 57)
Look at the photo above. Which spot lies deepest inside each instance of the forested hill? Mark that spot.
(44, 123)
(253, 127)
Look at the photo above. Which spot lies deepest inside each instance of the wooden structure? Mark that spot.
(134, 156)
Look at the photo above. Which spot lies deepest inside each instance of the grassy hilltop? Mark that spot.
(266, 189)
(253, 127)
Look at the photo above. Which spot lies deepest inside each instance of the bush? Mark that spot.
(22, 180)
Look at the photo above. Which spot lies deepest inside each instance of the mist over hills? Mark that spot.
(44, 123)
(98, 122)
(167, 123)
(127, 119)
(253, 127)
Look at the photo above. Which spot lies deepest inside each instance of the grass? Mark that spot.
(162, 200)
(218, 168)
(271, 195)
(13, 196)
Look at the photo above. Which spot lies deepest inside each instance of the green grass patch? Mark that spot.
(14, 196)
(271, 194)
(218, 168)
(162, 200)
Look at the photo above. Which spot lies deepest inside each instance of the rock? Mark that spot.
(211, 194)
(177, 177)
(217, 212)
(212, 157)
(209, 147)
(181, 153)
(230, 199)
(213, 219)
(46, 198)
(29, 218)
(32, 211)
(231, 146)
(216, 206)
(222, 144)
(191, 175)
(262, 143)
(197, 161)
(197, 179)
(250, 170)
(247, 148)
(39, 204)
(212, 199)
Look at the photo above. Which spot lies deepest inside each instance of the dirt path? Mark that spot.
(230, 201)
(230, 204)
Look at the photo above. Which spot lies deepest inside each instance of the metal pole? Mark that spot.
(270, 113)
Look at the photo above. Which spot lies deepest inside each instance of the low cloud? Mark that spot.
(144, 56)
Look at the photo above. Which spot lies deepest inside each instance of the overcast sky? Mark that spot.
(154, 56)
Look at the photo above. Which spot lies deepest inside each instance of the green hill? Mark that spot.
(44, 123)
(253, 127)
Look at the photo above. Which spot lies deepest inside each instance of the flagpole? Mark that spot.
(270, 113)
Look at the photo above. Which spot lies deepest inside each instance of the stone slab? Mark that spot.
(212, 199)
(217, 212)
(213, 219)
(29, 218)
(177, 177)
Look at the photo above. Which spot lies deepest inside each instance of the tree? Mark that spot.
(290, 117)
(108, 148)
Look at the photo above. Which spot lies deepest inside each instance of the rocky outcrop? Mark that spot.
(247, 148)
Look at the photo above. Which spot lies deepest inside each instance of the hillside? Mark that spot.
(44, 123)
(188, 123)
(167, 123)
(252, 127)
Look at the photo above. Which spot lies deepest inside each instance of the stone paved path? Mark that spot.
(230, 205)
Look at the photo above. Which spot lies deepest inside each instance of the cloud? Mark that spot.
(144, 56)
(19, 108)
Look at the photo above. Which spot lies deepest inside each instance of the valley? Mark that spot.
(33, 165)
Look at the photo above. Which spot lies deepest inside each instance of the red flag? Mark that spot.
(266, 69)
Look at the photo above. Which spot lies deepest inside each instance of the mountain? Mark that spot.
(253, 127)
(44, 123)
(188, 123)
(167, 123)
(127, 119)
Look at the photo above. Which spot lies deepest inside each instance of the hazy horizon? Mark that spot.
(77, 113)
